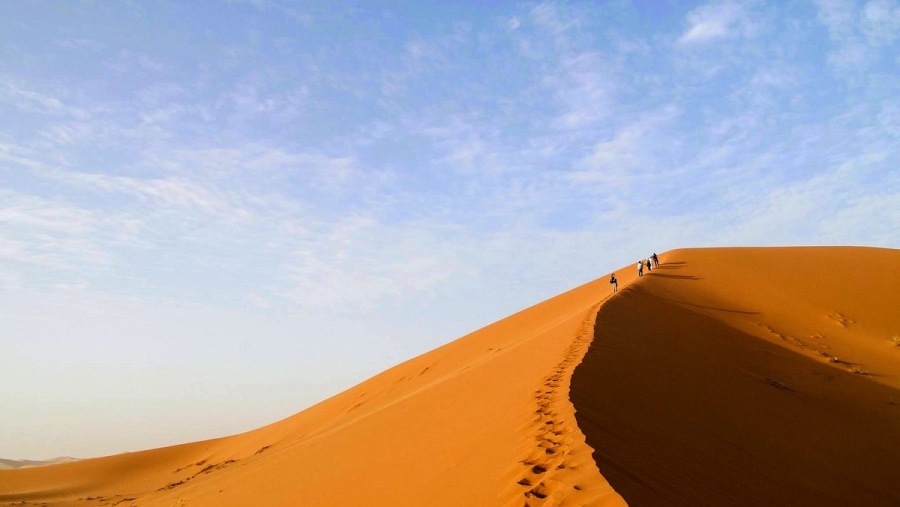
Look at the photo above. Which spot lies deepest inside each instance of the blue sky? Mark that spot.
(213, 215)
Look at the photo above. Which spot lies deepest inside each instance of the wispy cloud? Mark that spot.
(796, 208)
(860, 32)
(34, 101)
(166, 192)
(714, 21)
(80, 42)
(880, 23)
(585, 86)
(627, 157)
(38, 232)
(553, 16)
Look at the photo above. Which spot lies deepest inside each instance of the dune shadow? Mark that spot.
(843, 362)
(676, 277)
(680, 410)
(705, 307)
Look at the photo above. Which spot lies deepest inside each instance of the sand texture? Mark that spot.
(725, 377)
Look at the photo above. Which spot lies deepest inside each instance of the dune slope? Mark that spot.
(750, 377)
(484, 420)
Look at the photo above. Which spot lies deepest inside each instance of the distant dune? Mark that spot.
(764, 376)
(25, 463)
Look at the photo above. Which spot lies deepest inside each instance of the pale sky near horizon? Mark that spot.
(215, 214)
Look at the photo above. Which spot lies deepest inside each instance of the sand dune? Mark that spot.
(24, 463)
(750, 377)
(710, 381)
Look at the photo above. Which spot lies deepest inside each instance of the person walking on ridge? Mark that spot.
(649, 265)
(655, 260)
(614, 283)
(640, 268)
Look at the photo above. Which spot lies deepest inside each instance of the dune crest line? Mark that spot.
(556, 466)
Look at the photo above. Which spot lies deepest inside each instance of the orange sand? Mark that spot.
(704, 386)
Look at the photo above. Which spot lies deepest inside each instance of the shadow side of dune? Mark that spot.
(683, 409)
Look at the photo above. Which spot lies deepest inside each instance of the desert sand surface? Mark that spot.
(724, 377)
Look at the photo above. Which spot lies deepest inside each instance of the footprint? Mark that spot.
(537, 492)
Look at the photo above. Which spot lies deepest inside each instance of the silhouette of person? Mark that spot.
(640, 268)
(649, 266)
(655, 260)
(614, 283)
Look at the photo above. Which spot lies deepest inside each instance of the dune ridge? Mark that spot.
(724, 377)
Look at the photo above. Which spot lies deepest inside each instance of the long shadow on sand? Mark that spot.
(671, 265)
(677, 277)
(695, 305)
(683, 410)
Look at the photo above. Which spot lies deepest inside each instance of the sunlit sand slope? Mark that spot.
(485, 420)
(749, 377)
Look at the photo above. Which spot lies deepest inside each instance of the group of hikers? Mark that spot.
(650, 262)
